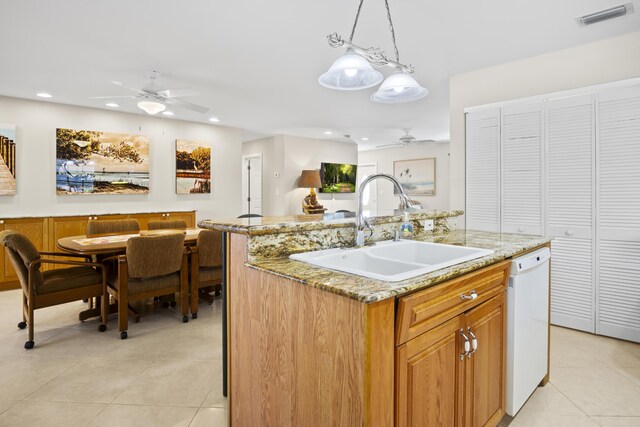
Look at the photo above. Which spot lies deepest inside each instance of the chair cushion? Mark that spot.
(158, 283)
(112, 226)
(210, 274)
(68, 278)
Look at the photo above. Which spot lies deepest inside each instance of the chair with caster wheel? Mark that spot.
(206, 268)
(40, 289)
(153, 265)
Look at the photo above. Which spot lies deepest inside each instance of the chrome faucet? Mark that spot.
(361, 221)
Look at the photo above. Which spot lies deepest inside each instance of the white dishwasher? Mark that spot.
(527, 326)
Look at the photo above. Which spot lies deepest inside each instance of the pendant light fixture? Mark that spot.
(354, 70)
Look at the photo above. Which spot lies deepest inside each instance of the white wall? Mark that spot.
(36, 124)
(289, 156)
(384, 159)
(608, 60)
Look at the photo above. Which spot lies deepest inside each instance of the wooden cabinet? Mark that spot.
(36, 229)
(144, 219)
(439, 381)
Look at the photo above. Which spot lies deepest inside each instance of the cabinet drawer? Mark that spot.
(423, 310)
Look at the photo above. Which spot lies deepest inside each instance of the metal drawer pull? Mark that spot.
(472, 295)
(474, 343)
(467, 345)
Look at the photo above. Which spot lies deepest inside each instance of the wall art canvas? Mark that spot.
(7, 159)
(417, 177)
(193, 167)
(92, 162)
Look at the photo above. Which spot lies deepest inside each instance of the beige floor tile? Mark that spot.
(598, 391)
(214, 398)
(632, 373)
(611, 352)
(136, 415)
(95, 380)
(171, 382)
(548, 399)
(567, 352)
(210, 417)
(21, 376)
(552, 420)
(6, 404)
(618, 421)
(49, 414)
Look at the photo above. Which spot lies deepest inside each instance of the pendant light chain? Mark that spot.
(393, 33)
(355, 23)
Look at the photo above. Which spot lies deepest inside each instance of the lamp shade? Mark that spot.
(350, 72)
(151, 107)
(310, 179)
(399, 87)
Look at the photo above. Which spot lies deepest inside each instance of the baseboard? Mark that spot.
(8, 286)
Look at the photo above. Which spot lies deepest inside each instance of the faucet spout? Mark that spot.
(361, 220)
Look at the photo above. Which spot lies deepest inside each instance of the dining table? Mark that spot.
(112, 244)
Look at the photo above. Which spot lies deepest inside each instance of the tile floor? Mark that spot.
(169, 373)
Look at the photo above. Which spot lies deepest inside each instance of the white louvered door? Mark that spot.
(618, 201)
(522, 169)
(483, 170)
(570, 128)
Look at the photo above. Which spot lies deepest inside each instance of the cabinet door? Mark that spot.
(188, 217)
(521, 168)
(483, 170)
(486, 367)
(429, 375)
(570, 220)
(618, 227)
(35, 229)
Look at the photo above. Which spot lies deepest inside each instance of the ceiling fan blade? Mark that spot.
(186, 104)
(177, 93)
(138, 91)
(389, 145)
(112, 97)
(425, 141)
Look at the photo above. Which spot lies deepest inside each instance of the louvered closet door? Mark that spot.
(570, 128)
(483, 170)
(522, 184)
(618, 185)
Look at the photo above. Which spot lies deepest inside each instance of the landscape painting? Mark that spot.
(193, 167)
(417, 177)
(92, 162)
(7, 159)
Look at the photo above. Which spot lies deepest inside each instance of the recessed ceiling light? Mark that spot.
(214, 119)
(365, 138)
(167, 113)
(328, 132)
(44, 95)
(112, 104)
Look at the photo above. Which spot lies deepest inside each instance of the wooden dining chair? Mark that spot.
(42, 289)
(112, 227)
(153, 265)
(174, 224)
(206, 267)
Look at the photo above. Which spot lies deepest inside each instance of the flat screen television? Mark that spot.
(338, 178)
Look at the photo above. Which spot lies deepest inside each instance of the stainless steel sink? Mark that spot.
(392, 261)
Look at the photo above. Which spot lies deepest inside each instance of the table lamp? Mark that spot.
(310, 179)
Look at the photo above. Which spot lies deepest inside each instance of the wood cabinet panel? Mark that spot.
(419, 312)
(486, 367)
(428, 372)
(36, 229)
(188, 216)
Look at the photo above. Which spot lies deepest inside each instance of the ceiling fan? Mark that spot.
(153, 99)
(407, 140)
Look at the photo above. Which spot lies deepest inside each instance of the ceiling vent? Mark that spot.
(603, 15)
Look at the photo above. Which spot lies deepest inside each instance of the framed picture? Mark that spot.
(193, 167)
(91, 162)
(417, 177)
(7, 159)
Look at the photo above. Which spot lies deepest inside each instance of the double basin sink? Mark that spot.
(392, 261)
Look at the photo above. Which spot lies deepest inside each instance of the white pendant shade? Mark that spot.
(350, 72)
(399, 87)
(151, 107)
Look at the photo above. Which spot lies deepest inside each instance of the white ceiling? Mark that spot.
(256, 63)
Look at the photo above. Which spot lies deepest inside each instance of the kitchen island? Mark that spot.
(313, 346)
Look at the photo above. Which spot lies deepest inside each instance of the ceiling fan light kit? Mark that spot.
(354, 70)
(151, 107)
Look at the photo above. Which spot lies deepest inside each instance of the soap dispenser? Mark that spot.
(406, 229)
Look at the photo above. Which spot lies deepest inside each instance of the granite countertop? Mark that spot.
(371, 290)
(300, 223)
